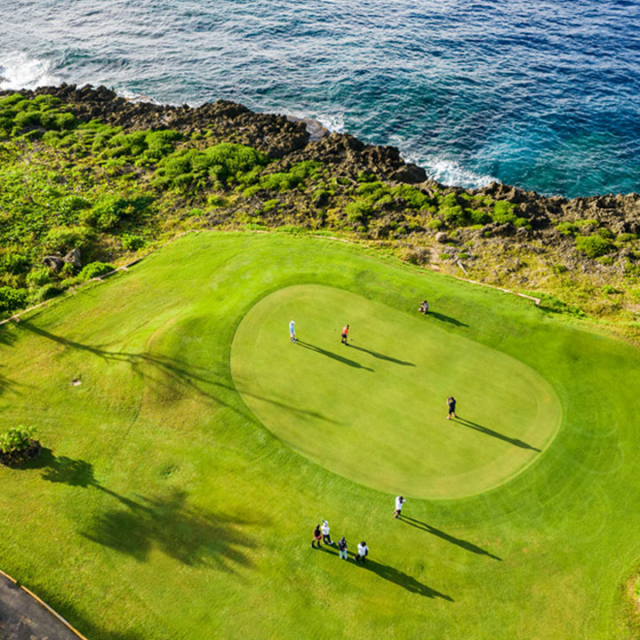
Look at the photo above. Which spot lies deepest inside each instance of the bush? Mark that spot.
(39, 277)
(594, 246)
(65, 238)
(47, 292)
(17, 445)
(132, 242)
(15, 263)
(12, 299)
(221, 164)
(359, 210)
(435, 224)
(109, 210)
(503, 212)
(454, 216)
(95, 270)
(567, 228)
(16, 439)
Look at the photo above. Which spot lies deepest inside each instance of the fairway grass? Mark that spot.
(170, 504)
(375, 411)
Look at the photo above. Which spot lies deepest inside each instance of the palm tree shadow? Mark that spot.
(464, 544)
(333, 356)
(171, 373)
(381, 356)
(495, 434)
(193, 536)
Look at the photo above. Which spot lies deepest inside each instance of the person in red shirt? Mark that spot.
(345, 334)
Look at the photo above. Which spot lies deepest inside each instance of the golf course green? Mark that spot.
(375, 412)
(190, 449)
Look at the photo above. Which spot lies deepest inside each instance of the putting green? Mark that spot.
(374, 411)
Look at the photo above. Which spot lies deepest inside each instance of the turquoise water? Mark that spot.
(541, 94)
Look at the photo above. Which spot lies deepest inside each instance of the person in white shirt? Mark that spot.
(326, 538)
(292, 331)
(399, 502)
(363, 552)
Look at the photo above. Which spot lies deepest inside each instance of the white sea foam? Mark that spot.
(19, 71)
(451, 173)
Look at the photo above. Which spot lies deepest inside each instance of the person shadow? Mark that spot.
(381, 356)
(464, 544)
(495, 434)
(395, 576)
(444, 318)
(333, 356)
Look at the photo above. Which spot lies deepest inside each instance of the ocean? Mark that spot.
(541, 94)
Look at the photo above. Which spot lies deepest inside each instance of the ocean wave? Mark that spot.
(19, 71)
(452, 173)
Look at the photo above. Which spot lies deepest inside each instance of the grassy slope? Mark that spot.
(375, 411)
(166, 510)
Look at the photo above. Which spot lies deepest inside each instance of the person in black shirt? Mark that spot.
(451, 403)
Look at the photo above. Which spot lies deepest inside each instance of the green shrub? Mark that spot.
(359, 210)
(12, 299)
(217, 201)
(503, 212)
(567, 228)
(435, 224)
(65, 238)
(454, 216)
(594, 246)
(95, 270)
(478, 216)
(15, 263)
(16, 439)
(609, 290)
(220, 165)
(39, 277)
(110, 209)
(414, 198)
(132, 242)
(626, 237)
(47, 292)
(552, 304)
(366, 176)
(269, 205)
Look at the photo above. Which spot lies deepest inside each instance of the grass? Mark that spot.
(164, 508)
(375, 411)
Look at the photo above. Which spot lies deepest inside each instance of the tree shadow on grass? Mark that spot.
(192, 536)
(395, 576)
(464, 544)
(174, 373)
(381, 356)
(443, 318)
(495, 434)
(333, 356)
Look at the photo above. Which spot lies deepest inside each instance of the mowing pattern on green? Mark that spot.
(374, 411)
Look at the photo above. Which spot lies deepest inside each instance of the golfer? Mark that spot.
(326, 538)
(345, 334)
(399, 502)
(451, 403)
(292, 331)
(342, 548)
(317, 536)
(363, 552)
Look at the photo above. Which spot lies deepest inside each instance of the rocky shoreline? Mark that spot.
(543, 249)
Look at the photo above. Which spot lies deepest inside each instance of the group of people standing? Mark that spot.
(321, 533)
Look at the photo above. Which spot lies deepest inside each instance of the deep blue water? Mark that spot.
(542, 94)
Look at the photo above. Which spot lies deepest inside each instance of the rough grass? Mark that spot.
(165, 509)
